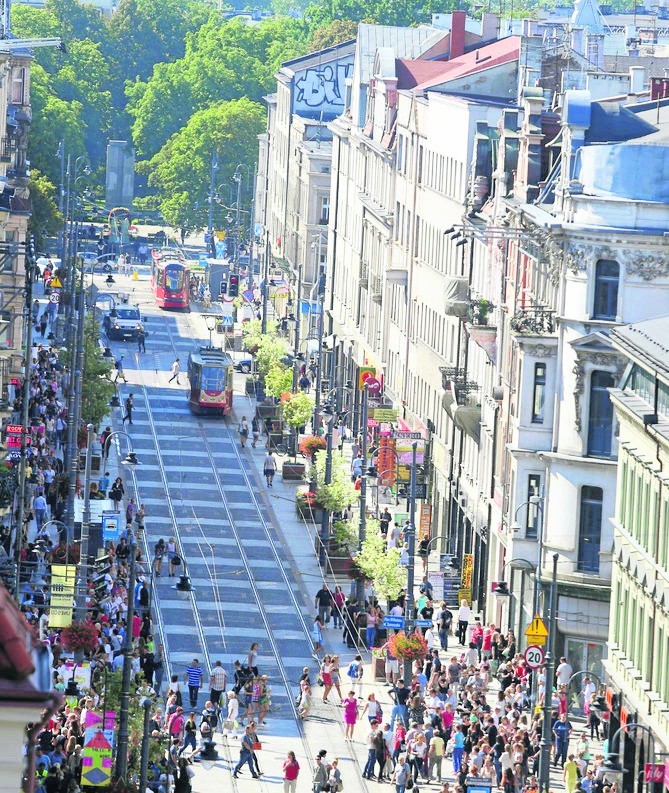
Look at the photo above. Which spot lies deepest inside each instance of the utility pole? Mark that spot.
(296, 340)
(265, 285)
(29, 267)
(252, 227)
(82, 569)
(238, 178)
(409, 606)
(325, 514)
(362, 526)
(212, 189)
(123, 732)
(547, 729)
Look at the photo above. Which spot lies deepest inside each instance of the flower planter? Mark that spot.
(265, 411)
(293, 472)
(339, 565)
(379, 668)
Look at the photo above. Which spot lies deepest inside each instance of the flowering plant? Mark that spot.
(310, 445)
(306, 498)
(407, 648)
(80, 637)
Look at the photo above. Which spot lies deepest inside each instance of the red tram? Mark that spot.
(170, 278)
(210, 376)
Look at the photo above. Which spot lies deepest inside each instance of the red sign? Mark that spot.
(666, 773)
(653, 772)
(13, 429)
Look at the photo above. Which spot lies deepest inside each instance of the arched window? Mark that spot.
(607, 276)
(600, 418)
(590, 529)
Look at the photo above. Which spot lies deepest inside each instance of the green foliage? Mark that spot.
(278, 381)
(337, 495)
(269, 354)
(253, 335)
(180, 171)
(223, 61)
(382, 567)
(97, 388)
(53, 119)
(344, 534)
(338, 31)
(45, 220)
(381, 12)
(298, 409)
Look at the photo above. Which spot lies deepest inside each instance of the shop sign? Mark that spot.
(62, 595)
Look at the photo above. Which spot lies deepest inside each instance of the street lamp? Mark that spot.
(362, 525)
(183, 587)
(613, 768)
(538, 503)
(210, 321)
(212, 186)
(327, 416)
(410, 534)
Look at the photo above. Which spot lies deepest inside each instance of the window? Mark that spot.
(18, 80)
(607, 275)
(590, 529)
(600, 419)
(532, 512)
(325, 210)
(539, 394)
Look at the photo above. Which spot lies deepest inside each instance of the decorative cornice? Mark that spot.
(578, 256)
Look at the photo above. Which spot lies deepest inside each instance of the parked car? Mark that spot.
(244, 365)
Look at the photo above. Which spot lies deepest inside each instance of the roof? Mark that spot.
(494, 54)
(647, 342)
(411, 73)
(16, 661)
(406, 43)
(611, 122)
(211, 356)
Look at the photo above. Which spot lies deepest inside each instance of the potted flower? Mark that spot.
(80, 638)
(308, 506)
(408, 648)
(311, 444)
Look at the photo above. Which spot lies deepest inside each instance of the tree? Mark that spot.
(45, 219)
(180, 171)
(381, 566)
(253, 335)
(338, 31)
(97, 388)
(298, 409)
(279, 381)
(340, 492)
(270, 353)
(53, 120)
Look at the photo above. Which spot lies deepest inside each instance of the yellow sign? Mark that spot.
(467, 571)
(63, 579)
(385, 414)
(97, 754)
(363, 373)
(536, 632)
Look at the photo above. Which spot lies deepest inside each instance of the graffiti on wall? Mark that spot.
(320, 90)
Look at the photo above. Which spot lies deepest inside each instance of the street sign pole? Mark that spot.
(546, 741)
(409, 607)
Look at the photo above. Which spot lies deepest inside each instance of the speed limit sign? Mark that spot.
(534, 656)
(54, 297)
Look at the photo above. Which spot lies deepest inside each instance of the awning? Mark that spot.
(456, 296)
(486, 338)
(465, 417)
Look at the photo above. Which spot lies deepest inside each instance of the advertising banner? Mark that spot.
(63, 579)
(97, 757)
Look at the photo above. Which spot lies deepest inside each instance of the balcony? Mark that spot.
(462, 401)
(534, 321)
(479, 313)
(376, 288)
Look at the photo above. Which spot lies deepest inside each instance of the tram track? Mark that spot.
(208, 548)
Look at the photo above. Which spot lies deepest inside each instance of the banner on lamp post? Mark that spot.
(63, 579)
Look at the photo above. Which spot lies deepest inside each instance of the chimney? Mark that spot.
(594, 49)
(637, 79)
(576, 42)
(457, 34)
(528, 175)
(489, 26)
(575, 121)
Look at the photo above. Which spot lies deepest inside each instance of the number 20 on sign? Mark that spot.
(534, 656)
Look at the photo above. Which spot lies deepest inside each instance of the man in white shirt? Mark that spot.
(563, 672)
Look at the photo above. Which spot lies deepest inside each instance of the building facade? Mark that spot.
(638, 661)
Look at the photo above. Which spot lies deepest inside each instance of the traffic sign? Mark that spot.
(423, 623)
(54, 297)
(392, 622)
(534, 656)
(536, 632)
